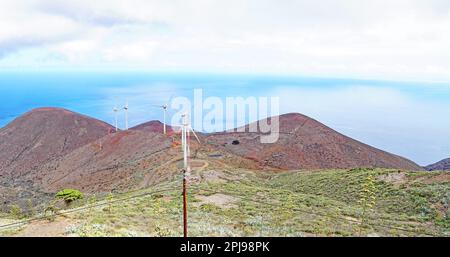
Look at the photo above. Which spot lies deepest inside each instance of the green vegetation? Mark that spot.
(367, 199)
(16, 212)
(50, 211)
(91, 203)
(69, 195)
(30, 207)
(110, 199)
(375, 202)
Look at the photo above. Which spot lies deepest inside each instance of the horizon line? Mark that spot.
(296, 75)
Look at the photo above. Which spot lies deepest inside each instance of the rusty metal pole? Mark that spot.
(184, 205)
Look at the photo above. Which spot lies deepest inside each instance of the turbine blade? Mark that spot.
(196, 137)
(170, 99)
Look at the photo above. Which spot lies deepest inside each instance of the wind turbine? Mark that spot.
(126, 115)
(185, 130)
(164, 107)
(115, 110)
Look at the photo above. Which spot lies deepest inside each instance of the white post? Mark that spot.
(126, 119)
(164, 119)
(184, 139)
(115, 119)
(188, 153)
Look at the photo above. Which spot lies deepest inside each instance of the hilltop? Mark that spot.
(305, 143)
(36, 138)
(440, 165)
(153, 126)
(44, 134)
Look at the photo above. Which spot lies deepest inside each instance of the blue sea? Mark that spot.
(411, 119)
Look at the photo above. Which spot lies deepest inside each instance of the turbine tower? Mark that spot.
(126, 115)
(164, 117)
(185, 130)
(115, 110)
(164, 107)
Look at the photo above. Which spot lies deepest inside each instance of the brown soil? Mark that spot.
(394, 178)
(44, 228)
(436, 179)
(221, 200)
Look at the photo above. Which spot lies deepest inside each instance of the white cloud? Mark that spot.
(403, 39)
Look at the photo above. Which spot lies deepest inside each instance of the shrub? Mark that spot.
(50, 211)
(69, 195)
(16, 211)
(110, 199)
(30, 206)
(91, 202)
(367, 199)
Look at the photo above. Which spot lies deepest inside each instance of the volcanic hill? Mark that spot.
(116, 162)
(152, 126)
(42, 135)
(440, 165)
(36, 138)
(305, 143)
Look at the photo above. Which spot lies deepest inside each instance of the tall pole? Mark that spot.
(185, 169)
(184, 141)
(184, 205)
(164, 119)
(115, 119)
(126, 115)
(126, 119)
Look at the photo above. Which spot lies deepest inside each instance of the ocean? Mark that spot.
(411, 119)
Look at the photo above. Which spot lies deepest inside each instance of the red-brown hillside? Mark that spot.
(305, 143)
(42, 135)
(119, 161)
(49, 149)
(152, 126)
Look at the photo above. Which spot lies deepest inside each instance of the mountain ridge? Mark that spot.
(48, 149)
(305, 143)
(440, 165)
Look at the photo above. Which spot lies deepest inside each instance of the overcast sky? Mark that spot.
(384, 39)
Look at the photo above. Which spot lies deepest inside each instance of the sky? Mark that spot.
(383, 39)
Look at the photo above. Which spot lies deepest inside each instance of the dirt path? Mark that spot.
(199, 165)
(220, 200)
(45, 228)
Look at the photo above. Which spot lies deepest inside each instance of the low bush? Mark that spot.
(69, 195)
